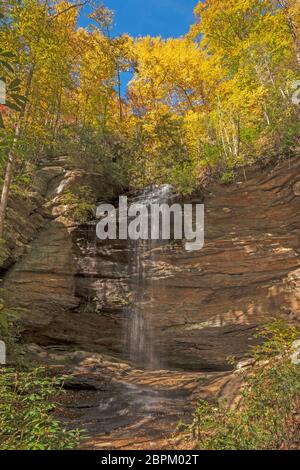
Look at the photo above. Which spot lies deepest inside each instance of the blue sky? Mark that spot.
(166, 18)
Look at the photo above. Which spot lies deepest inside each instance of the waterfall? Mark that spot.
(140, 342)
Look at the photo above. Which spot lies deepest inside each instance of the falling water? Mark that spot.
(140, 327)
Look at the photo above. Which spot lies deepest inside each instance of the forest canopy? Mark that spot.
(210, 101)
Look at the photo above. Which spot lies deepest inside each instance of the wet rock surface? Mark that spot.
(197, 308)
(130, 408)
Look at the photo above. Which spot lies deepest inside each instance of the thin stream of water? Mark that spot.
(140, 329)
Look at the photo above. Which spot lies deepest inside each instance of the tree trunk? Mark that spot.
(23, 114)
(7, 180)
(11, 156)
(120, 98)
(224, 146)
(266, 114)
(236, 137)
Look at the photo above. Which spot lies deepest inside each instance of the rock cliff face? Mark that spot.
(106, 312)
(200, 307)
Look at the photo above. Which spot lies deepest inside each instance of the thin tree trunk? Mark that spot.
(236, 137)
(224, 146)
(11, 156)
(57, 113)
(120, 98)
(228, 140)
(7, 180)
(24, 113)
(267, 117)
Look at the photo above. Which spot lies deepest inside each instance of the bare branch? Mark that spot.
(77, 5)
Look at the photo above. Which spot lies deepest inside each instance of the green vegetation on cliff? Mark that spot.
(26, 412)
(28, 398)
(261, 417)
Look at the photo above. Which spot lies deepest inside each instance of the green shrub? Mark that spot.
(26, 412)
(4, 252)
(184, 178)
(227, 177)
(9, 330)
(81, 206)
(268, 398)
(96, 150)
(27, 397)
